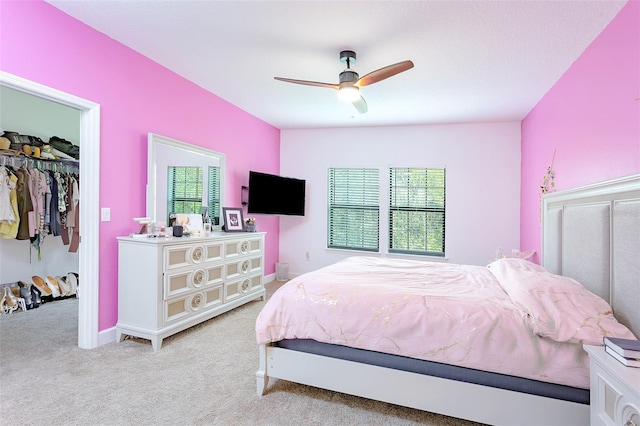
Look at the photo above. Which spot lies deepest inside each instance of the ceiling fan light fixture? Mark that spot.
(350, 82)
(349, 93)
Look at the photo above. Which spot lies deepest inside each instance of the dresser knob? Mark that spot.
(245, 266)
(196, 301)
(245, 286)
(196, 255)
(244, 247)
(198, 277)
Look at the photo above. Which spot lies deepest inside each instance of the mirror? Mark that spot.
(165, 153)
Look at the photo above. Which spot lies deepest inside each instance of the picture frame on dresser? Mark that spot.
(233, 219)
(189, 222)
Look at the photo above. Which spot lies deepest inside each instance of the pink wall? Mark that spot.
(137, 96)
(590, 118)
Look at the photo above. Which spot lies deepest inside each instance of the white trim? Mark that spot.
(153, 142)
(600, 191)
(449, 397)
(89, 269)
(107, 336)
(613, 186)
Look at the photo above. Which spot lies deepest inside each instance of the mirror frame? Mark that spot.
(153, 141)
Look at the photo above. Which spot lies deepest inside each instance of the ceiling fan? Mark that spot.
(350, 82)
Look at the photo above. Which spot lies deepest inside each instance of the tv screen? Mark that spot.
(271, 194)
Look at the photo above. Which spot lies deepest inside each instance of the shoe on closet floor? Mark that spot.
(6, 306)
(42, 287)
(35, 297)
(11, 303)
(74, 282)
(25, 293)
(53, 285)
(65, 288)
(15, 290)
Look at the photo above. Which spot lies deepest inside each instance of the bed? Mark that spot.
(528, 321)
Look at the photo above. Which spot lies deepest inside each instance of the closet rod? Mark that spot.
(17, 161)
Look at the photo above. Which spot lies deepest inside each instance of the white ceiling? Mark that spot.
(474, 60)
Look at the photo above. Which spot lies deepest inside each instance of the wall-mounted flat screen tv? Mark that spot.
(271, 194)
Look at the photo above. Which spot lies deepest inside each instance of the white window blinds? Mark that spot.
(214, 195)
(417, 211)
(184, 190)
(353, 209)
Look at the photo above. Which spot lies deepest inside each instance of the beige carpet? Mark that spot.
(204, 375)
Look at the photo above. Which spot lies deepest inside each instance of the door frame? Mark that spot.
(89, 268)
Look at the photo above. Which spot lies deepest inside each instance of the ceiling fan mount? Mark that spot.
(350, 82)
(347, 57)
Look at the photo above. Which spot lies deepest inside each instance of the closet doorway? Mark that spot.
(88, 335)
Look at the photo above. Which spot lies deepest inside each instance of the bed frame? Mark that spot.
(590, 233)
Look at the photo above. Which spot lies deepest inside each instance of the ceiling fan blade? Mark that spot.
(309, 83)
(360, 105)
(386, 72)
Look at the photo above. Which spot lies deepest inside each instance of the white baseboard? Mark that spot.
(107, 336)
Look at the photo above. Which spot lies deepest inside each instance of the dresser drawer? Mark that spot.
(183, 281)
(193, 254)
(242, 286)
(243, 247)
(187, 305)
(243, 267)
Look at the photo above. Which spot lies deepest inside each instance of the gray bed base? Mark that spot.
(435, 369)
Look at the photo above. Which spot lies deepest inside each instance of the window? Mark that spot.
(417, 211)
(214, 195)
(184, 192)
(354, 210)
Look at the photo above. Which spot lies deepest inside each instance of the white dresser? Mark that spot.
(615, 390)
(166, 285)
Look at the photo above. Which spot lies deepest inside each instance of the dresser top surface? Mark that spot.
(214, 236)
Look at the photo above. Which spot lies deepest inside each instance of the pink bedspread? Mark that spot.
(454, 314)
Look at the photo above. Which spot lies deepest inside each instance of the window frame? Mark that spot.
(358, 213)
(214, 192)
(174, 181)
(424, 209)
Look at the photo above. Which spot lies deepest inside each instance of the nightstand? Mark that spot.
(615, 390)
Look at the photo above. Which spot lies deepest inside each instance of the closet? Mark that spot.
(27, 114)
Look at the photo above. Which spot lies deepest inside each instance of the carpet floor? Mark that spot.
(202, 376)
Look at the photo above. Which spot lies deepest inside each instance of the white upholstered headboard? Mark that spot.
(592, 234)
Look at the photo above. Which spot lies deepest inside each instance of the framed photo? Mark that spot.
(233, 220)
(189, 222)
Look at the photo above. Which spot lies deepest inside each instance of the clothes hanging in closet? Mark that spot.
(9, 216)
(35, 203)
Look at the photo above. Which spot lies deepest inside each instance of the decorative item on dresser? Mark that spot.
(625, 347)
(233, 220)
(627, 351)
(166, 285)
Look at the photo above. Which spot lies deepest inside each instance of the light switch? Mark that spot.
(106, 214)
